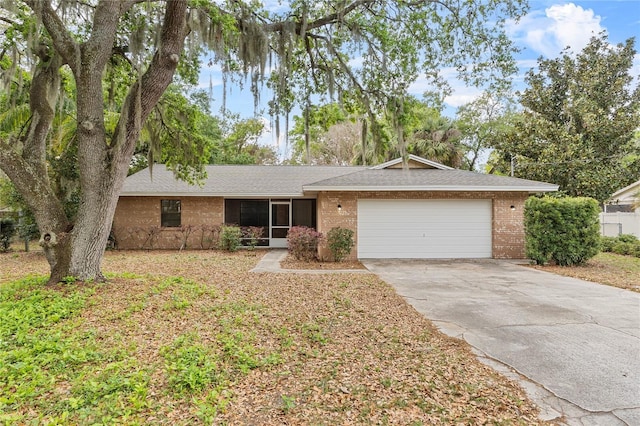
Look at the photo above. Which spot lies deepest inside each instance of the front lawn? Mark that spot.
(195, 338)
(605, 268)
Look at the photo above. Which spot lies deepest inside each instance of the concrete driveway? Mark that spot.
(575, 345)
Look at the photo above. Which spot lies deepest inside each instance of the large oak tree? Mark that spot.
(371, 48)
(577, 128)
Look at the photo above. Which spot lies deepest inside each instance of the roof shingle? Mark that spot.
(294, 181)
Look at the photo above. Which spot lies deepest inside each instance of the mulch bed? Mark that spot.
(292, 263)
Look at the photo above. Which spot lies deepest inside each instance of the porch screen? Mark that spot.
(304, 213)
(247, 212)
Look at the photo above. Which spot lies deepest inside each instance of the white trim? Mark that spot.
(621, 195)
(415, 158)
(210, 194)
(279, 242)
(489, 188)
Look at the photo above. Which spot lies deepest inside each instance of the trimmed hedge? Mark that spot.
(563, 230)
(625, 244)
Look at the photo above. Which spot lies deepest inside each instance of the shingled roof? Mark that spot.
(295, 181)
(426, 180)
(228, 181)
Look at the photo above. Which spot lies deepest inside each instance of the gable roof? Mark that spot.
(251, 181)
(427, 180)
(413, 162)
(626, 194)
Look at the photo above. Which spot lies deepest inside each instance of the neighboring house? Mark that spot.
(425, 211)
(621, 212)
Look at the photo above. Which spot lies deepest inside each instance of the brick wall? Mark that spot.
(508, 225)
(136, 216)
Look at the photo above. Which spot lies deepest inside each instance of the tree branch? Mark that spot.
(62, 39)
(146, 92)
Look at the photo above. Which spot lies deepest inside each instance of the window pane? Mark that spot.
(247, 212)
(170, 213)
(232, 211)
(304, 213)
(254, 213)
(280, 214)
(279, 232)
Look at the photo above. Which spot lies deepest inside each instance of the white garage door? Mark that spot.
(424, 229)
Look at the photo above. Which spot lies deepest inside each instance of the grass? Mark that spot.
(195, 338)
(605, 268)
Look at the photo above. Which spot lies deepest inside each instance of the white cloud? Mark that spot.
(460, 92)
(560, 26)
(635, 69)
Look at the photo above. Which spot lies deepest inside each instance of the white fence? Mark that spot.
(614, 224)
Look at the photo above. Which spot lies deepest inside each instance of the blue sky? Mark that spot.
(549, 27)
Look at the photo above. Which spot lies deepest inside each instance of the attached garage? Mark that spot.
(426, 229)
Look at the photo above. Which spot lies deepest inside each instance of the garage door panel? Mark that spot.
(424, 228)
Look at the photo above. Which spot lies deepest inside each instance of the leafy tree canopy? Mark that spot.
(104, 65)
(577, 127)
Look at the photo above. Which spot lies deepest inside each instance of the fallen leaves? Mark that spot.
(292, 263)
(606, 268)
(330, 349)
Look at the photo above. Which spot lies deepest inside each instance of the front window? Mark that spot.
(170, 213)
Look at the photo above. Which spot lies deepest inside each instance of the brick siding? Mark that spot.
(134, 215)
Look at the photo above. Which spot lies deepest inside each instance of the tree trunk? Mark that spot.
(76, 250)
(92, 228)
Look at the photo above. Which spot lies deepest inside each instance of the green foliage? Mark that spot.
(482, 123)
(239, 143)
(230, 238)
(118, 99)
(340, 242)
(563, 230)
(7, 231)
(10, 197)
(302, 242)
(577, 129)
(333, 131)
(37, 341)
(625, 244)
(627, 238)
(288, 403)
(607, 243)
(190, 366)
(252, 235)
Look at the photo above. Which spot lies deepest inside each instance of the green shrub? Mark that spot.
(252, 235)
(622, 248)
(563, 230)
(7, 231)
(230, 238)
(340, 242)
(302, 242)
(607, 243)
(627, 238)
(625, 244)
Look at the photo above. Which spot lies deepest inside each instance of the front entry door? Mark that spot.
(280, 223)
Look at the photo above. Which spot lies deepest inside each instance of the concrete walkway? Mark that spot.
(573, 345)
